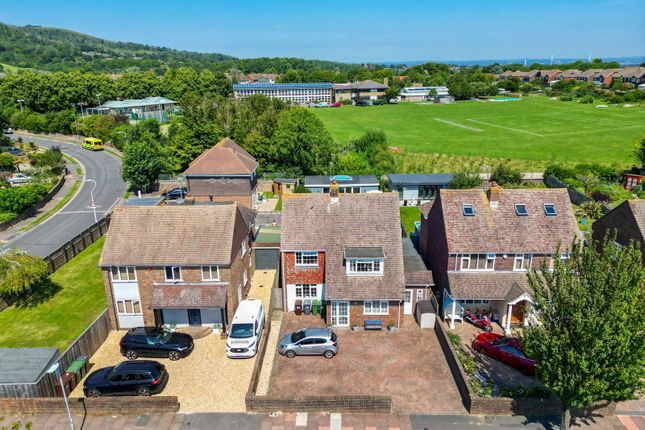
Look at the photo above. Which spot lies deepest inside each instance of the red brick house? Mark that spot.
(347, 252)
(182, 265)
(224, 173)
(626, 221)
(480, 244)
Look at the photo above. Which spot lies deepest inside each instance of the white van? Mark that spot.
(245, 329)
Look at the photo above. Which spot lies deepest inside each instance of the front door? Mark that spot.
(340, 313)
(194, 317)
(518, 312)
(407, 306)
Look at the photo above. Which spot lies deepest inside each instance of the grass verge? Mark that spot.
(71, 193)
(409, 214)
(58, 312)
(278, 206)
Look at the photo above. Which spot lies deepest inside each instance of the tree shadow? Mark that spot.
(549, 422)
(40, 294)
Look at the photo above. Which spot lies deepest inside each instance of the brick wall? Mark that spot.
(303, 275)
(244, 199)
(357, 317)
(267, 404)
(94, 406)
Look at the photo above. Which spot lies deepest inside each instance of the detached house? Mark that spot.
(345, 250)
(224, 173)
(182, 265)
(480, 244)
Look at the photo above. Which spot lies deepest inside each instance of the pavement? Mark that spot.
(311, 421)
(77, 216)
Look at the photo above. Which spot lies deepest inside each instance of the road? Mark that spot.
(101, 166)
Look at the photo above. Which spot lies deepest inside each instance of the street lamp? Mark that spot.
(81, 105)
(93, 206)
(98, 96)
(21, 102)
(56, 369)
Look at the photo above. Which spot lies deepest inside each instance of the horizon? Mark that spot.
(279, 31)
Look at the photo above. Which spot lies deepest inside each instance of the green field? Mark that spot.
(535, 128)
(59, 312)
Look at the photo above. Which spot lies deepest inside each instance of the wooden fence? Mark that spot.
(73, 247)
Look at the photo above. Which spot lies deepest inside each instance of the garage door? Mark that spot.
(267, 259)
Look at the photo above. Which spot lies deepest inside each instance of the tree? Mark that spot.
(20, 272)
(7, 162)
(590, 210)
(639, 152)
(141, 163)
(465, 180)
(302, 142)
(511, 84)
(588, 335)
(503, 174)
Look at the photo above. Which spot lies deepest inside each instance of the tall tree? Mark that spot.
(588, 337)
(141, 163)
(20, 272)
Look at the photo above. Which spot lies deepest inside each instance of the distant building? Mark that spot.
(631, 75)
(294, 93)
(355, 91)
(415, 189)
(626, 221)
(346, 184)
(570, 75)
(136, 109)
(258, 78)
(420, 94)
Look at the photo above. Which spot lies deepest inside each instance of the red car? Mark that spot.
(508, 350)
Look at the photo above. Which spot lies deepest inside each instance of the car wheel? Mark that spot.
(174, 355)
(93, 393)
(481, 350)
(131, 355)
(143, 391)
(329, 354)
(290, 354)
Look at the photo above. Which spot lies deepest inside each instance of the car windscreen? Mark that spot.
(241, 331)
(513, 351)
(295, 337)
(164, 337)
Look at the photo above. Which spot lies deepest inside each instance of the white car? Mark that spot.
(8, 130)
(20, 178)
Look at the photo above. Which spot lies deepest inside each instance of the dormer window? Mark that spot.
(549, 209)
(468, 209)
(521, 210)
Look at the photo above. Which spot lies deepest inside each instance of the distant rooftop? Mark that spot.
(294, 85)
(341, 180)
(420, 179)
(25, 365)
(132, 103)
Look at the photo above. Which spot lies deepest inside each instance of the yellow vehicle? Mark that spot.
(93, 144)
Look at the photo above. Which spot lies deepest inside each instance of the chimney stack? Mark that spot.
(333, 191)
(493, 194)
(386, 81)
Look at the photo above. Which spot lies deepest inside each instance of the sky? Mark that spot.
(356, 30)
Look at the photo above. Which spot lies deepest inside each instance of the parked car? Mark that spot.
(16, 151)
(363, 103)
(8, 130)
(508, 350)
(175, 193)
(155, 342)
(141, 378)
(246, 329)
(393, 101)
(378, 102)
(322, 105)
(337, 104)
(309, 341)
(20, 178)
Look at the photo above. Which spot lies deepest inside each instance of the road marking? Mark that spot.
(77, 212)
(505, 128)
(457, 125)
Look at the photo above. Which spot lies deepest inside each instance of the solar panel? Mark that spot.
(468, 209)
(549, 209)
(520, 209)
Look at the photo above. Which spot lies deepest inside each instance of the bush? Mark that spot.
(566, 98)
(560, 172)
(301, 189)
(346, 102)
(609, 192)
(20, 272)
(590, 210)
(504, 174)
(50, 160)
(465, 180)
(17, 199)
(586, 99)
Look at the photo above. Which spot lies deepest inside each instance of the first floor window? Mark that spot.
(130, 307)
(210, 273)
(522, 262)
(124, 273)
(365, 267)
(306, 291)
(173, 273)
(375, 307)
(307, 258)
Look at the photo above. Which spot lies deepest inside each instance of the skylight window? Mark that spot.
(520, 209)
(549, 209)
(469, 210)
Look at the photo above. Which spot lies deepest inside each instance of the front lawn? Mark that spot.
(409, 214)
(57, 314)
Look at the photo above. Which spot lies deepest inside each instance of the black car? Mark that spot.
(364, 103)
(175, 193)
(142, 378)
(378, 102)
(155, 342)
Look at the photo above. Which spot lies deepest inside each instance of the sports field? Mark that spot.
(535, 128)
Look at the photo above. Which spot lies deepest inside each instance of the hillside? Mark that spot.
(55, 49)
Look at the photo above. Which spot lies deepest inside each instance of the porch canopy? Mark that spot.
(188, 296)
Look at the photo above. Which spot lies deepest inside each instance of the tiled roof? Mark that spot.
(225, 158)
(415, 269)
(488, 285)
(341, 180)
(170, 235)
(188, 296)
(362, 85)
(420, 179)
(312, 222)
(500, 229)
(132, 103)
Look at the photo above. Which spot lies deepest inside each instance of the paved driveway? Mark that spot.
(407, 365)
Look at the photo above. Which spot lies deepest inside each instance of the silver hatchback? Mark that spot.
(309, 341)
